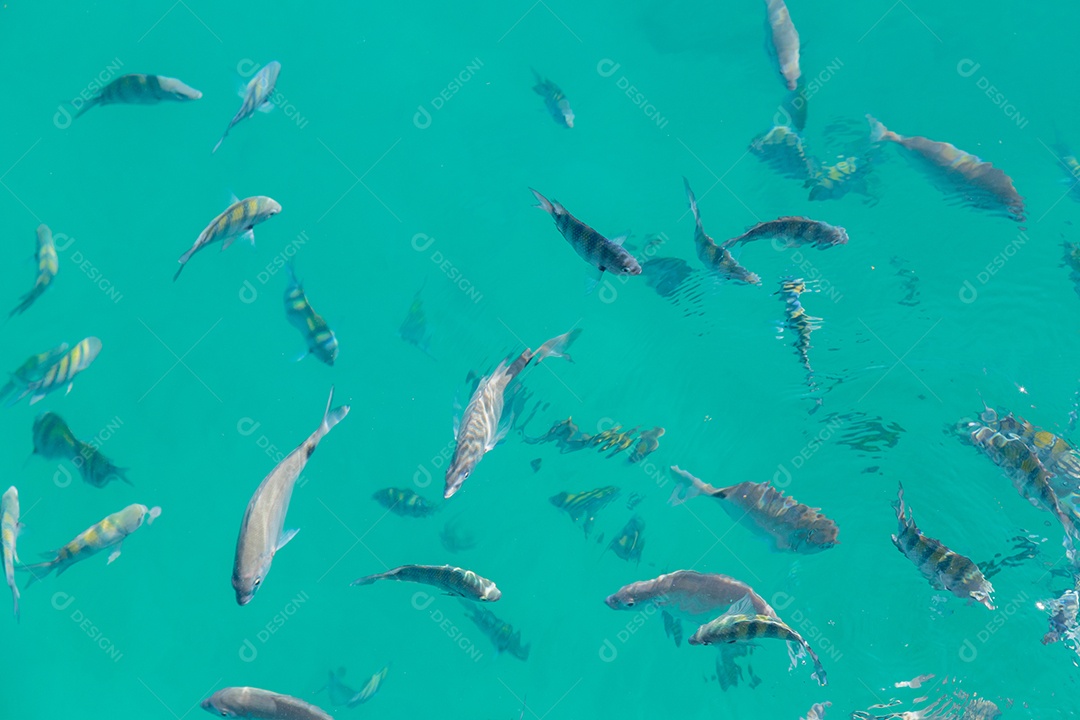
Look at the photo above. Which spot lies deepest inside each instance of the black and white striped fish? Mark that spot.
(138, 89)
(451, 580)
(256, 96)
(48, 264)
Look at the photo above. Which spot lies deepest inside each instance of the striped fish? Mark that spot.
(591, 246)
(370, 688)
(554, 100)
(404, 502)
(256, 96)
(784, 41)
(9, 534)
(451, 580)
(53, 440)
(250, 702)
(716, 258)
(414, 329)
(585, 504)
(238, 220)
(786, 523)
(62, 372)
(976, 182)
(741, 625)
(793, 231)
(784, 150)
(141, 90)
(501, 633)
(945, 569)
(834, 181)
(799, 322)
(817, 711)
(630, 542)
(648, 442)
(105, 534)
(33, 368)
(1060, 458)
(320, 339)
(339, 692)
(48, 264)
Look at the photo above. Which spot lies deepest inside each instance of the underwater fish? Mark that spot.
(33, 368)
(784, 41)
(977, 182)
(9, 534)
(256, 96)
(404, 502)
(1059, 457)
(784, 150)
(556, 346)
(817, 711)
(585, 504)
(61, 372)
(370, 688)
(501, 633)
(554, 100)
(320, 339)
(249, 702)
(451, 580)
(801, 323)
(262, 531)
(414, 328)
(105, 534)
(339, 692)
(648, 442)
(48, 265)
(53, 440)
(631, 542)
(716, 258)
(785, 523)
(793, 231)
(138, 89)
(945, 569)
(834, 181)
(591, 246)
(1063, 613)
(238, 220)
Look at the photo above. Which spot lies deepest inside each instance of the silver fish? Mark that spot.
(48, 265)
(9, 533)
(556, 346)
(451, 580)
(238, 220)
(785, 42)
(256, 96)
(249, 702)
(138, 89)
(262, 531)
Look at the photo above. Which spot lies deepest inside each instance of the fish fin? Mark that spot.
(591, 281)
(686, 486)
(34, 575)
(300, 357)
(266, 107)
(621, 238)
(241, 92)
(249, 236)
(543, 203)
(332, 417)
(672, 627)
(219, 142)
(285, 538)
(742, 606)
(39, 396)
(366, 580)
(155, 513)
(114, 554)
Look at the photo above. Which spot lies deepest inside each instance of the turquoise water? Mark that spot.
(416, 127)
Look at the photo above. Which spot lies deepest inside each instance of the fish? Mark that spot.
(1063, 612)
(107, 533)
(785, 42)
(554, 100)
(320, 339)
(978, 183)
(238, 220)
(630, 542)
(48, 265)
(53, 440)
(648, 442)
(603, 254)
(339, 692)
(481, 427)
(256, 96)
(801, 323)
(945, 569)
(451, 580)
(9, 534)
(370, 688)
(414, 328)
(61, 372)
(404, 502)
(834, 181)
(95, 468)
(817, 711)
(585, 504)
(740, 625)
(535, 464)
(716, 258)
(793, 231)
(501, 633)
(137, 89)
(250, 702)
(785, 151)
(785, 523)
(556, 346)
(262, 532)
(33, 368)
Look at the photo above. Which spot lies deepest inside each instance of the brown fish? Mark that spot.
(794, 231)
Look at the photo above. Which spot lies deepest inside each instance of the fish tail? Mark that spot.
(86, 106)
(25, 302)
(543, 203)
(34, 574)
(878, 132)
(693, 202)
(220, 141)
(367, 579)
(819, 669)
(332, 417)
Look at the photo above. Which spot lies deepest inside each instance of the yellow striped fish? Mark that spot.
(62, 372)
(33, 368)
(48, 264)
(238, 220)
(370, 688)
(138, 89)
(451, 580)
(9, 532)
(585, 504)
(320, 339)
(256, 96)
(104, 534)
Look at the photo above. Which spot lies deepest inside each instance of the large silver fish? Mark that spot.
(256, 96)
(785, 42)
(262, 532)
(138, 89)
(238, 220)
(9, 533)
(61, 373)
(451, 580)
(48, 264)
(249, 702)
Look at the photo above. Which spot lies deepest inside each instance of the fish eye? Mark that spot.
(258, 581)
(630, 602)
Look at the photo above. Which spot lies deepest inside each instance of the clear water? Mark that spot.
(196, 390)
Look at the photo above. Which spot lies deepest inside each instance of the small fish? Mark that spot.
(630, 542)
(105, 534)
(256, 96)
(785, 42)
(1063, 612)
(33, 368)
(262, 532)
(648, 442)
(370, 688)
(501, 633)
(95, 468)
(716, 258)
(784, 150)
(793, 231)
(238, 220)
(817, 711)
(451, 580)
(53, 440)
(801, 323)
(138, 89)
(414, 328)
(740, 625)
(556, 346)
(249, 702)
(61, 372)
(48, 265)
(404, 502)
(785, 523)
(9, 533)
(535, 464)
(945, 569)
(834, 181)
(554, 100)
(977, 182)
(320, 339)
(591, 246)
(634, 500)
(585, 504)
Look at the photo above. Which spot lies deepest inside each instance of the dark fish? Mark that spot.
(630, 542)
(716, 258)
(414, 328)
(256, 96)
(585, 504)
(318, 336)
(799, 322)
(784, 150)
(535, 465)
(141, 90)
(501, 633)
(53, 440)
(404, 502)
(794, 231)
(634, 500)
(47, 263)
(945, 569)
(449, 579)
(785, 42)
(554, 100)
